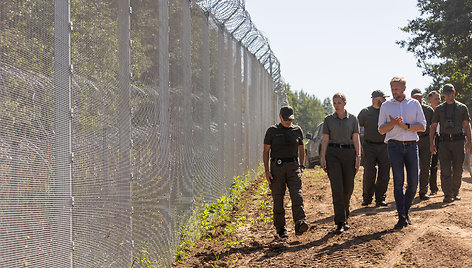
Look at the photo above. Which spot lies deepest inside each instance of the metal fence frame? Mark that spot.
(239, 94)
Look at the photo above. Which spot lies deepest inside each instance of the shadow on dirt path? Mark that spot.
(441, 234)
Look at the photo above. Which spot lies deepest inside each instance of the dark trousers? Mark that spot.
(341, 167)
(375, 154)
(425, 164)
(433, 175)
(286, 175)
(404, 156)
(451, 158)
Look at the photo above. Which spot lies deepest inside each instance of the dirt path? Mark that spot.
(441, 234)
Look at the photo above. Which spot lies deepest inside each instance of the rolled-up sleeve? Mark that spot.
(382, 116)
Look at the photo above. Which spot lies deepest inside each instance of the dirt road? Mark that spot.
(441, 234)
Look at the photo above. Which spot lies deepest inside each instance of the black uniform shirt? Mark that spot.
(369, 119)
(283, 141)
(455, 113)
(428, 115)
(340, 130)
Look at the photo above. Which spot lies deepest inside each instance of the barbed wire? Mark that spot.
(232, 15)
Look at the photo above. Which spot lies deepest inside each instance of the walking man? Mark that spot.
(423, 145)
(400, 118)
(454, 127)
(374, 153)
(434, 99)
(284, 142)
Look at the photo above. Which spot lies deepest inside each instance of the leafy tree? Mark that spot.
(441, 39)
(328, 106)
(309, 111)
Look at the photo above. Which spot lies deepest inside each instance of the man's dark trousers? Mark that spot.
(375, 154)
(288, 174)
(341, 167)
(425, 163)
(404, 155)
(433, 176)
(451, 154)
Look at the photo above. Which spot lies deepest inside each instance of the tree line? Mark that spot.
(308, 109)
(441, 40)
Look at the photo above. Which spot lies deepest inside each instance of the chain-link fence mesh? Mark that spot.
(117, 118)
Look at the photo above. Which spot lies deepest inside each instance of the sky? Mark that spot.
(343, 46)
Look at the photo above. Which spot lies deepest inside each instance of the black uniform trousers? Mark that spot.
(286, 175)
(451, 158)
(424, 163)
(433, 176)
(341, 167)
(375, 154)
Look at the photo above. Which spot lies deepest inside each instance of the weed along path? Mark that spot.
(441, 234)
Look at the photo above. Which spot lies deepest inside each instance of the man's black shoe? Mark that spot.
(381, 204)
(346, 226)
(424, 197)
(408, 221)
(401, 223)
(283, 233)
(457, 197)
(301, 227)
(448, 199)
(366, 203)
(433, 193)
(340, 229)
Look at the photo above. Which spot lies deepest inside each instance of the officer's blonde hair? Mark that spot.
(398, 79)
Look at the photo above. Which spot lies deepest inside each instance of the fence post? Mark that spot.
(188, 176)
(238, 128)
(229, 111)
(62, 84)
(220, 85)
(124, 119)
(205, 63)
(247, 135)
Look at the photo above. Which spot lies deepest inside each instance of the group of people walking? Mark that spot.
(400, 134)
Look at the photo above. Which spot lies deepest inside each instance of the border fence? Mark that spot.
(117, 117)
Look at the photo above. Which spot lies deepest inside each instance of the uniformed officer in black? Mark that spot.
(454, 128)
(340, 158)
(284, 142)
(374, 153)
(423, 145)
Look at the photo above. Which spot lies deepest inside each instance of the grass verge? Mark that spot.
(212, 221)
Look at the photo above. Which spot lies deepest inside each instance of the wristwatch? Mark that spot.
(407, 125)
(359, 155)
(302, 166)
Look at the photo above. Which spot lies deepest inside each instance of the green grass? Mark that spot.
(206, 217)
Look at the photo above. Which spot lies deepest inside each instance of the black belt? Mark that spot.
(344, 146)
(451, 137)
(280, 161)
(402, 142)
(423, 135)
(375, 142)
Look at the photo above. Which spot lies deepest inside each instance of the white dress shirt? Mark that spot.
(411, 112)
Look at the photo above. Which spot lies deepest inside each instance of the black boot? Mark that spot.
(282, 233)
(401, 223)
(301, 227)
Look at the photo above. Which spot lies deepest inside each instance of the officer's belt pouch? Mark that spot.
(451, 137)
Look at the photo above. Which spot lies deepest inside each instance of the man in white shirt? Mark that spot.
(400, 118)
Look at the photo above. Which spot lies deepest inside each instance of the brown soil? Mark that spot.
(441, 234)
